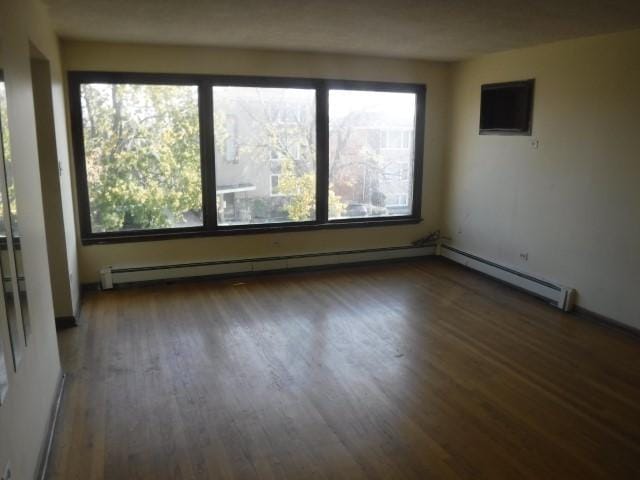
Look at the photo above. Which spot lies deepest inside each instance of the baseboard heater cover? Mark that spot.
(559, 295)
(112, 275)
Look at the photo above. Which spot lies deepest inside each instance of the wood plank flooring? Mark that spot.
(420, 370)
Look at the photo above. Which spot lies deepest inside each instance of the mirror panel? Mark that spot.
(11, 304)
(14, 231)
(18, 277)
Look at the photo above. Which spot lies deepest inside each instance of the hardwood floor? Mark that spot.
(414, 370)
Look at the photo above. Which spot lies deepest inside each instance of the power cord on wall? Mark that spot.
(430, 239)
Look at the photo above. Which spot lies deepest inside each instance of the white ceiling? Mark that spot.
(428, 29)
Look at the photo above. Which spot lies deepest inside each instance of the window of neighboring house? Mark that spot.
(398, 200)
(363, 177)
(230, 146)
(404, 172)
(289, 113)
(264, 138)
(407, 137)
(395, 139)
(292, 151)
(175, 155)
(275, 181)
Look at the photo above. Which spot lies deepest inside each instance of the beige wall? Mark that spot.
(52, 54)
(97, 56)
(51, 192)
(24, 416)
(560, 204)
(573, 204)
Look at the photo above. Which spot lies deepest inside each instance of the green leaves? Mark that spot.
(143, 162)
(142, 151)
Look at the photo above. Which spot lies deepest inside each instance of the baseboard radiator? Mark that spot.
(559, 295)
(112, 276)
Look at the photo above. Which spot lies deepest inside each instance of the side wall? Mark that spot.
(571, 206)
(137, 58)
(52, 52)
(32, 389)
(51, 192)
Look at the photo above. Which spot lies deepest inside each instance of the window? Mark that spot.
(142, 156)
(275, 183)
(175, 155)
(362, 176)
(395, 139)
(271, 126)
(404, 172)
(398, 200)
(228, 143)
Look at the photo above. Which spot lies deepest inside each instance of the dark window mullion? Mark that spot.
(322, 153)
(207, 152)
(418, 151)
(82, 195)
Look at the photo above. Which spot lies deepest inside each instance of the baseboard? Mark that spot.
(45, 450)
(607, 322)
(125, 276)
(556, 294)
(560, 296)
(77, 311)
(69, 321)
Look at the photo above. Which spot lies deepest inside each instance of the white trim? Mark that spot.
(230, 189)
(118, 275)
(45, 453)
(561, 296)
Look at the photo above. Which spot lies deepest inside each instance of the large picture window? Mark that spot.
(371, 144)
(162, 156)
(267, 138)
(142, 156)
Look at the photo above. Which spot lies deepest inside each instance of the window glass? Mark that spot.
(371, 151)
(10, 250)
(268, 138)
(144, 165)
(11, 217)
(4, 383)
(142, 156)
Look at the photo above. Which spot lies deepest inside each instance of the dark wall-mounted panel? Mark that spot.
(506, 108)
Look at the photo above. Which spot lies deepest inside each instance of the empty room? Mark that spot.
(278, 239)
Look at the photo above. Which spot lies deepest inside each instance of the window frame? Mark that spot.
(271, 192)
(205, 84)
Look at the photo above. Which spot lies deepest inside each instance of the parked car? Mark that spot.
(377, 211)
(365, 210)
(356, 210)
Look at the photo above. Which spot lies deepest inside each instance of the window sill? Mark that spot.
(174, 234)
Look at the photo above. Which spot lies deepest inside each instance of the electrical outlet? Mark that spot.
(535, 143)
(6, 475)
(524, 256)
